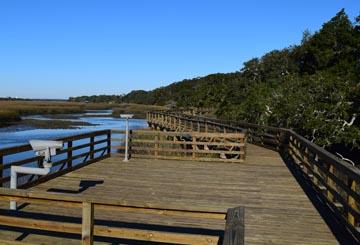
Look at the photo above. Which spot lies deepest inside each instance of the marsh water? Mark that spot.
(100, 120)
(21, 134)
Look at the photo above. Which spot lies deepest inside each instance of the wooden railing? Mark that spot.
(79, 150)
(186, 123)
(337, 182)
(88, 228)
(199, 146)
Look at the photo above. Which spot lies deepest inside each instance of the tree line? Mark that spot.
(313, 88)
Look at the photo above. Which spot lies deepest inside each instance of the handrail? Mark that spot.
(193, 146)
(337, 182)
(88, 229)
(72, 159)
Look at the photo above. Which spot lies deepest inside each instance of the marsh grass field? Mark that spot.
(11, 112)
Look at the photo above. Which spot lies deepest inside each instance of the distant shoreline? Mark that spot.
(11, 111)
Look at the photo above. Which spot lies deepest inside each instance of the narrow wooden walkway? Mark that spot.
(277, 211)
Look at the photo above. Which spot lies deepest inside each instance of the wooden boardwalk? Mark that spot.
(277, 211)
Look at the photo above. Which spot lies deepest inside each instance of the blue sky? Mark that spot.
(62, 48)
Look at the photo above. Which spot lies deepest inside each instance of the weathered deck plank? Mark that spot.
(277, 209)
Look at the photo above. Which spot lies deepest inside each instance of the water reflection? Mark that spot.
(21, 134)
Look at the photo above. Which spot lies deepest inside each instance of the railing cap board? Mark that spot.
(77, 199)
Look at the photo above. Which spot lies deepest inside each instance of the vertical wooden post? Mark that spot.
(193, 147)
(329, 183)
(157, 138)
(351, 202)
(92, 148)
(2, 169)
(278, 140)
(235, 227)
(198, 126)
(108, 135)
(206, 127)
(87, 223)
(69, 153)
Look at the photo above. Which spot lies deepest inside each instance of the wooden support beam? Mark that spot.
(194, 147)
(2, 168)
(92, 140)
(157, 138)
(108, 135)
(352, 203)
(234, 227)
(330, 183)
(87, 223)
(69, 153)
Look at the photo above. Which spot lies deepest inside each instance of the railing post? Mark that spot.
(329, 183)
(157, 138)
(235, 227)
(351, 202)
(108, 135)
(69, 153)
(92, 148)
(278, 141)
(87, 223)
(193, 147)
(2, 169)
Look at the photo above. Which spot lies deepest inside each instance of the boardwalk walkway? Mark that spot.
(277, 211)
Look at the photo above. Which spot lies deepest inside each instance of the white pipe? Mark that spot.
(126, 159)
(24, 170)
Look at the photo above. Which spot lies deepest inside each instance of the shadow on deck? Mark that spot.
(335, 224)
(278, 210)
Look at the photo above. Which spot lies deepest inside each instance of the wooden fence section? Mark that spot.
(265, 136)
(79, 150)
(200, 146)
(337, 182)
(234, 231)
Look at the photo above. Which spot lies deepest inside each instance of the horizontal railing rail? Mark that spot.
(337, 182)
(199, 146)
(88, 228)
(79, 150)
(182, 122)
